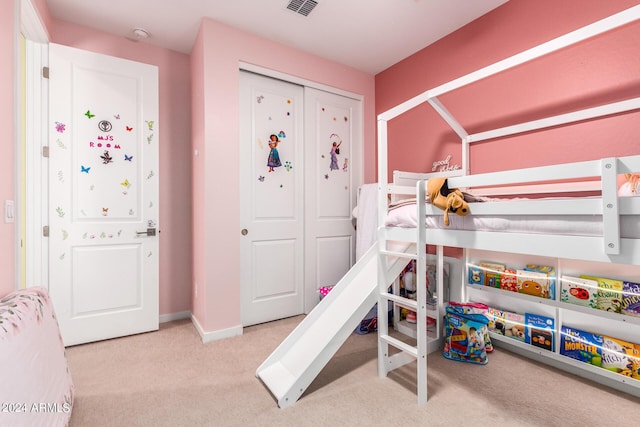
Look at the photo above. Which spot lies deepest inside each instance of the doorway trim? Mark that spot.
(34, 137)
(297, 80)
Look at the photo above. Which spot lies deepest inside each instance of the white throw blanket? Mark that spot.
(367, 215)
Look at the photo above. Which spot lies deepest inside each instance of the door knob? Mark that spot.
(244, 232)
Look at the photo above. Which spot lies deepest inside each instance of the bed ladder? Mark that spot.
(387, 361)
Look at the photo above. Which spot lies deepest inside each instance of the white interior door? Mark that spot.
(103, 195)
(272, 211)
(333, 174)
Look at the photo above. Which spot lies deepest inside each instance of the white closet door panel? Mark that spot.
(272, 215)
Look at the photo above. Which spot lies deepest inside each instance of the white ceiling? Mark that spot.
(369, 35)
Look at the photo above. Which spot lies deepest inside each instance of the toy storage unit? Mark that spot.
(576, 317)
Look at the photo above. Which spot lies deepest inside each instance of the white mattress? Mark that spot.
(576, 225)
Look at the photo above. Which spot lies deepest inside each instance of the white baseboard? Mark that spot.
(164, 318)
(216, 335)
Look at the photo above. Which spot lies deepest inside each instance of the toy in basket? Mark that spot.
(464, 340)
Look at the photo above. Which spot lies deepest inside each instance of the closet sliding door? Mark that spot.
(297, 193)
(332, 159)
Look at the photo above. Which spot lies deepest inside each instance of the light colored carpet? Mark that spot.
(169, 378)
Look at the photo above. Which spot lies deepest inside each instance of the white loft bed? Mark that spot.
(611, 242)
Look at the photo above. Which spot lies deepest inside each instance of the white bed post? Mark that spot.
(383, 324)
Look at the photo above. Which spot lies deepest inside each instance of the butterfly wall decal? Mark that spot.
(116, 116)
(106, 158)
(89, 115)
(84, 169)
(128, 158)
(129, 129)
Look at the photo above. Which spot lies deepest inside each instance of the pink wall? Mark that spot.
(175, 145)
(601, 70)
(7, 169)
(215, 64)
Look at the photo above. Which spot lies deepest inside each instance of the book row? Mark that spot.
(619, 296)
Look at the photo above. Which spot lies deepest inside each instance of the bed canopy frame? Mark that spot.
(606, 169)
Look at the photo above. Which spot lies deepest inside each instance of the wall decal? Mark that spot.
(261, 178)
(129, 129)
(288, 166)
(89, 115)
(345, 165)
(149, 138)
(61, 144)
(106, 158)
(60, 212)
(126, 183)
(60, 127)
(151, 174)
(259, 99)
(65, 234)
(336, 141)
(60, 176)
(85, 169)
(116, 116)
(150, 124)
(128, 158)
(274, 158)
(445, 165)
(105, 125)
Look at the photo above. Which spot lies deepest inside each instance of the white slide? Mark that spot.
(295, 363)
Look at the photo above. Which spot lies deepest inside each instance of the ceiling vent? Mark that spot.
(303, 7)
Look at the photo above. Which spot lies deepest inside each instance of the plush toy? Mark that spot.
(449, 200)
(630, 186)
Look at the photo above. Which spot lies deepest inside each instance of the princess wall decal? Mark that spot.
(336, 141)
(274, 158)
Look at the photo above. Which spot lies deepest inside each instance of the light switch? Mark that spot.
(8, 211)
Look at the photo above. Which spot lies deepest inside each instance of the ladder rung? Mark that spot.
(401, 301)
(400, 345)
(400, 254)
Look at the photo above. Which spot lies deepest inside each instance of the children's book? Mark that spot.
(533, 283)
(540, 331)
(609, 293)
(550, 272)
(495, 317)
(631, 298)
(636, 362)
(579, 291)
(476, 275)
(511, 325)
(580, 345)
(617, 355)
(509, 280)
(492, 273)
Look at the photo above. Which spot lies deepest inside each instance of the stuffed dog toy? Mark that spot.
(449, 200)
